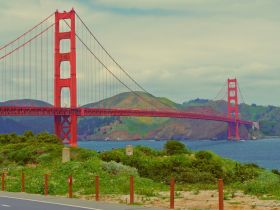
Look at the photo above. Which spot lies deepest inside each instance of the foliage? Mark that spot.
(245, 172)
(40, 154)
(115, 168)
(174, 147)
(266, 183)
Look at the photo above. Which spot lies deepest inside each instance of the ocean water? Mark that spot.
(265, 153)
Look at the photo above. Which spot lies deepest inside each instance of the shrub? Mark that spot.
(115, 168)
(174, 147)
(142, 150)
(208, 166)
(115, 155)
(275, 171)
(245, 172)
(203, 155)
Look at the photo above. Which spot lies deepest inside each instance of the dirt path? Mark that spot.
(201, 200)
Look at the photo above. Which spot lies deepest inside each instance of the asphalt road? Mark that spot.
(23, 201)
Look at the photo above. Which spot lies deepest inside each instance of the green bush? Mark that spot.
(115, 155)
(174, 147)
(245, 172)
(115, 168)
(204, 155)
(275, 171)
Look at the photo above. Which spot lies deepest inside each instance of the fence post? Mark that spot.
(97, 188)
(22, 182)
(70, 186)
(46, 185)
(3, 181)
(172, 192)
(221, 194)
(131, 189)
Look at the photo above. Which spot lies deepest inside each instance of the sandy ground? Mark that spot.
(200, 200)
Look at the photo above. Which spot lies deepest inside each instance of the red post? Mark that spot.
(22, 181)
(97, 188)
(3, 182)
(131, 189)
(46, 184)
(221, 194)
(70, 182)
(172, 192)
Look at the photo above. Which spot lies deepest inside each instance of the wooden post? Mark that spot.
(3, 182)
(22, 181)
(172, 192)
(221, 194)
(97, 188)
(70, 182)
(46, 190)
(131, 190)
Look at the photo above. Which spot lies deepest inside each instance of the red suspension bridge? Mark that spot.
(42, 64)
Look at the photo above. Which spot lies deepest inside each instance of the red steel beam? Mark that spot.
(52, 111)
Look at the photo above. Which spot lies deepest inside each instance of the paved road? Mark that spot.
(23, 201)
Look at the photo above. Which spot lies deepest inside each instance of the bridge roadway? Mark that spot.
(52, 111)
(23, 201)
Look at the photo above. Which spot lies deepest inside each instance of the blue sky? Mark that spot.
(190, 46)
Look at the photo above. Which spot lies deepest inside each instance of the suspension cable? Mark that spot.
(242, 96)
(31, 29)
(25, 43)
(120, 67)
(109, 69)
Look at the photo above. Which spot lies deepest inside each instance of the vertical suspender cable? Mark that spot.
(29, 70)
(5, 77)
(24, 77)
(36, 70)
(91, 76)
(12, 77)
(2, 72)
(41, 68)
(87, 74)
(47, 67)
(17, 92)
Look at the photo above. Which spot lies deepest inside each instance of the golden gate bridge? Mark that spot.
(60, 61)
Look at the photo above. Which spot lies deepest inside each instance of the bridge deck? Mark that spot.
(52, 111)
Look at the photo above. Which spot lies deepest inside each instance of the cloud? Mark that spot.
(179, 49)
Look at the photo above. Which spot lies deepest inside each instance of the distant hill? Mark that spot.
(125, 128)
(20, 124)
(25, 102)
(139, 100)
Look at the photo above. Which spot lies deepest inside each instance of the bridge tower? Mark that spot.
(233, 111)
(65, 126)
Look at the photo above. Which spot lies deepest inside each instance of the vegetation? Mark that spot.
(40, 154)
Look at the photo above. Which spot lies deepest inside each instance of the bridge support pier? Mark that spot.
(233, 131)
(65, 126)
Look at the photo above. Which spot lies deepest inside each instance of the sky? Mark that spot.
(181, 49)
